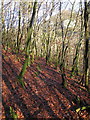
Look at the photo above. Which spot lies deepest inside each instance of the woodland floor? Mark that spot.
(44, 96)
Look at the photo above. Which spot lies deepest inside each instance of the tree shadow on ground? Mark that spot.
(39, 100)
(20, 101)
(17, 99)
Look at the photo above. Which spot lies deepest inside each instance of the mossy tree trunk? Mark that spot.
(76, 57)
(86, 52)
(48, 40)
(3, 23)
(62, 61)
(21, 75)
(64, 47)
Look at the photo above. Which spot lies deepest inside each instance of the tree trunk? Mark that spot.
(20, 77)
(19, 21)
(86, 52)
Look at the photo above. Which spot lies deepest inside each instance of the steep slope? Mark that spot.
(44, 96)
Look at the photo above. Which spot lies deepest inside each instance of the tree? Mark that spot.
(64, 46)
(86, 51)
(20, 77)
(19, 25)
(74, 70)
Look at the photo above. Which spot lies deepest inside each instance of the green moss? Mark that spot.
(13, 114)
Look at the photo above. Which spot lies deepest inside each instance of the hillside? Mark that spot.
(45, 66)
(44, 96)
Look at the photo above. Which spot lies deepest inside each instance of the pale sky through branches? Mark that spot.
(67, 3)
(6, 1)
(45, 0)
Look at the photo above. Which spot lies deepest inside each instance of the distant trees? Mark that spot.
(48, 30)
